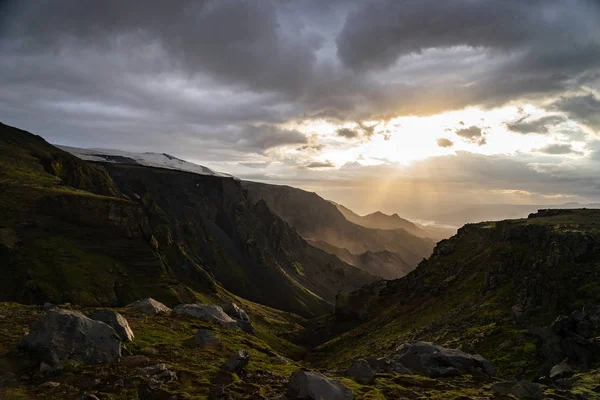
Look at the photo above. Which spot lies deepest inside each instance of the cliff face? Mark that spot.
(491, 284)
(92, 234)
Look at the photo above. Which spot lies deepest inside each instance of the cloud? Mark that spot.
(539, 126)
(255, 164)
(472, 134)
(347, 133)
(582, 108)
(264, 137)
(443, 142)
(557, 149)
(320, 164)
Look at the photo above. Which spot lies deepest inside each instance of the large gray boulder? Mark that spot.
(361, 371)
(116, 321)
(149, 306)
(314, 386)
(237, 361)
(208, 313)
(437, 361)
(62, 335)
(385, 364)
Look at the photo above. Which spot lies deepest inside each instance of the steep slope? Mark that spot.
(379, 220)
(92, 234)
(317, 220)
(383, 263)
(493, 289)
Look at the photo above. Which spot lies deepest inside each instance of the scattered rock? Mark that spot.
(208, 313)
(246, 326)
(385, 364)
(217, 392)
(116, 321)
(314, 386)
(237, 361)
(521, 390)
(69, 335)
(235, 312)
(149, 306)
(136, 361)
(437, 361)
(207, 339)
(562, 370)
(361, 371)
(49, 306)
(281, 360)
(50, 385)
(158, 373)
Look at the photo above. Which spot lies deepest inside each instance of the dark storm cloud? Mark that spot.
(583, 108)
(472, 134)
(320, 164)
(198, 75)
(558, 149)
(540, 125)
(443, 142)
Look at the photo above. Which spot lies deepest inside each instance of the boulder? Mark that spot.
(385, 364)
(361, 371)
(235, 312)
(521, 390)
(207, 339)
(116, 321)
(280, 360)
(246, 326)
(149, 306)
(437, 361)
(208, 313)
(61, 335)
(314, 386)
(237, 361)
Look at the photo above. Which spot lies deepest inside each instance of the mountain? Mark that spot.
(95, 233)
(383, 263)
(158, 160)
(379, 220)
(511, 291)
(318, 220)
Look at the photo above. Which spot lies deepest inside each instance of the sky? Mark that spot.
(399, 106)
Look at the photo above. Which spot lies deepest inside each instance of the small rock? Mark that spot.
(361, 371)
(208, 313)
(562, 370)
(207, 339)
(237, 361)
(281, 360)
(314, 386)
(246, 326)
(136, 361)
(151, 370)
(167, 376)
(45, 368)
(49, 306)
(50, 384)
(149, 306)
(116, 321)
(217, 392)
(235, 312)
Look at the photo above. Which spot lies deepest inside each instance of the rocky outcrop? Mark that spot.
(314, 386)
(385, 364)
(437, 361)
(62, 335)
(237, 361)
(149, 306)
(361, 371)
(569, 344)
(207, 339)
(207, 313)
(116, 321)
